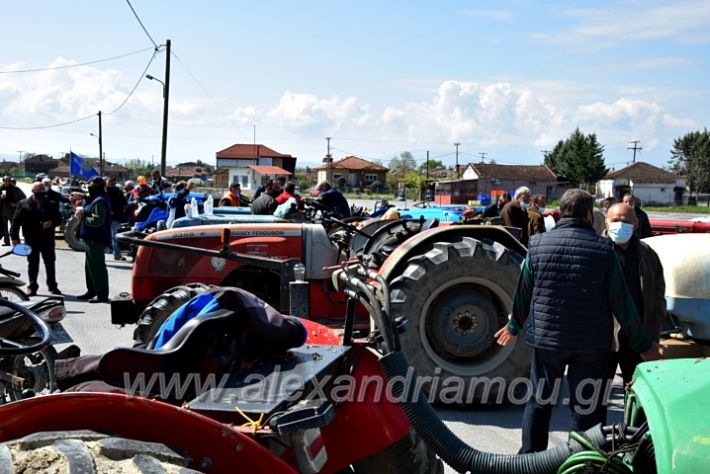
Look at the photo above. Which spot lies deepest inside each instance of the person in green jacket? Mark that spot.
(96, 231)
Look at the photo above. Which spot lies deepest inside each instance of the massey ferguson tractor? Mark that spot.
(451, 285)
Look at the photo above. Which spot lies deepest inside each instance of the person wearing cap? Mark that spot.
(38, 216)
(96, 231)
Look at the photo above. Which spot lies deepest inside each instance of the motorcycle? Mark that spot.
(10, 282)
(28, 371)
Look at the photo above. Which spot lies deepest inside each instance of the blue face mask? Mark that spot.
(620, 232)
(541, 210)
(524, 205)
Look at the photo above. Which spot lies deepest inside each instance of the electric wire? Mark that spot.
(142, 26)
(67, 66)
(87, 117)
(204, 89)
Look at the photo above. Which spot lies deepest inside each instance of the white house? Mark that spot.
(648, 183)
(251, 166)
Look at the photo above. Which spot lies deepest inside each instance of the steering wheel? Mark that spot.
(350, 227)
(313, 207)
(10, 347)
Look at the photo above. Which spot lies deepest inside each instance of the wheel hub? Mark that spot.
(461, 324)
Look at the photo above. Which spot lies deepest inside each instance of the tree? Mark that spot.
(690, 157)
(433, 164)
(139, 167)
(405, 162)
(579, 158)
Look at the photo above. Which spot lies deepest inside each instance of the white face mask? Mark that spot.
(620, 232)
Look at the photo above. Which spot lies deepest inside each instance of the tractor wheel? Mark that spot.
(71, 234)
(456, 295)
(409, 454)
(89, 452)
(162, 306)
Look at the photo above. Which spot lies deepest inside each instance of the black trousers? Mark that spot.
(586, 373)
(45, 248)
(627, 360)
(6, 225)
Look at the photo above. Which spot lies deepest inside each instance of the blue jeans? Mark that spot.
(586, 377)
(114, 228)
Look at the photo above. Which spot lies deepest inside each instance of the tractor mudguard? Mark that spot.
(208, 443)
(446, 233)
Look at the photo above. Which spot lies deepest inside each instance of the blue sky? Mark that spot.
(506, 78)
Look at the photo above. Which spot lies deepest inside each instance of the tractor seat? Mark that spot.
(184, 353)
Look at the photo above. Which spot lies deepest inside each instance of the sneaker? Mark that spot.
(96, 299)
(120, 258)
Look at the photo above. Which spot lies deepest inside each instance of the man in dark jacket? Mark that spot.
(643, 274)
(515, 213)
(118, 214)
(37, 216)
(332, 198)
(570, 289)
(10, 195)
(643, 228)
(96, 232)
(266, 204)
(496, 208)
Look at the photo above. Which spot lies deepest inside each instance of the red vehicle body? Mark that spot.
(660, 226)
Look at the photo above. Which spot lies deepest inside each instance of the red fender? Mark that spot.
(141, 419)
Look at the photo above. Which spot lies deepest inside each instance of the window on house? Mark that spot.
(337, 176)
(245, 181)
(370, 178)
(663, 190)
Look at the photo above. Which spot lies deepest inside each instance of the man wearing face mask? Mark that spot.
(96, 232)
(643, 274)
(515, 213)
(571, 289)
(38, 216)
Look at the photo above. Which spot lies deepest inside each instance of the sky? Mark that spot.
(505, 79)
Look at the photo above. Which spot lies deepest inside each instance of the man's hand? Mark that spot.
(652, 354)
(46, 224)
(79, 213)
(504, 336)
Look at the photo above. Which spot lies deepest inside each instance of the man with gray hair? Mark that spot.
(571, 288)
(515, 213)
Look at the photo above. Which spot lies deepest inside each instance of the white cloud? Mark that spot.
(299, 111)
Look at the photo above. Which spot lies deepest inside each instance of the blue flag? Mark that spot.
(81, 167)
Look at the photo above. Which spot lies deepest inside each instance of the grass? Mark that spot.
(689, 209)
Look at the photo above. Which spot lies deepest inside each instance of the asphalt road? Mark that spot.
(489, 428)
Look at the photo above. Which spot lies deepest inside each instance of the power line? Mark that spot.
(79, 64)
(142, 26)
(80, 119)
(635, 147)
(194, 78)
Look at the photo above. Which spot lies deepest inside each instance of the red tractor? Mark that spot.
(452, 284)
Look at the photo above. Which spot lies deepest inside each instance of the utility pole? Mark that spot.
(101, 149)
(483, 156)
(635, 147)
(328, 160)
(457, 144)
(166, 94)
(426, 182)
(20, 152)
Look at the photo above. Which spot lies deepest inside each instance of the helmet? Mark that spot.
(142, 181)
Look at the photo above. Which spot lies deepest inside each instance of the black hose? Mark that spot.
(457, 454)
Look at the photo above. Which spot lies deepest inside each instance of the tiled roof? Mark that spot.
(354, 163)
(187, 171)
(515, 172)
(643, 173)
(264, 169)
(246, 151)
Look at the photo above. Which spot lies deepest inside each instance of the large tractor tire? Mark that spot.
(89, 452)
(162, 306)
(408, 455)
(71, 234)
(456, 295)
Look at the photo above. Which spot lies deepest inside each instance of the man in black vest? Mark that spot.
(38, 216)
(570, 285)
(96, 232)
